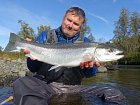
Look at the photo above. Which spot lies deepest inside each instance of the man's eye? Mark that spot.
(76, 24)
(69, 20)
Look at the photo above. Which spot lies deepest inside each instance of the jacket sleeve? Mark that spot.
(34, 65)
(86, 40)
(89, 72)
(42, 37)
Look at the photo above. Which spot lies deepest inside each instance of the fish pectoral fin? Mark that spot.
(87, 57)
(57, 68)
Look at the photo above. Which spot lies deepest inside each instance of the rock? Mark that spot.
(10, 70)
(102, 69)
(22, 73)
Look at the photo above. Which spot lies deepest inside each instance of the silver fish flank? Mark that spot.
(64, 55)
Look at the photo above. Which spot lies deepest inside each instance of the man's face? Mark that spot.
(71, 24)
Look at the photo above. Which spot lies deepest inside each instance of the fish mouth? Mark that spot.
(120, 53)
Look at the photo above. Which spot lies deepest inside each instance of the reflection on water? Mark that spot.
(125, 76)
(75, 99)
(5, 92)
(127, 79)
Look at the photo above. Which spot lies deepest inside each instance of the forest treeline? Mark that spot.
(126, 35)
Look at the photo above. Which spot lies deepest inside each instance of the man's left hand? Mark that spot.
(89, 64)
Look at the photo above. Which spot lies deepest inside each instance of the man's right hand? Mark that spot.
(28, 52)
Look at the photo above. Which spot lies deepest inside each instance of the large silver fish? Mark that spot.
(64, 55)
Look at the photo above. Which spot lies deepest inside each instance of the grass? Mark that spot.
(12, 55)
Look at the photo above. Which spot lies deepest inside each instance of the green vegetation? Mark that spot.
(86, 31)
(27, 32)
(13, 56)
(127, 36)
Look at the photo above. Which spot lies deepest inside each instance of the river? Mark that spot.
(126, 79)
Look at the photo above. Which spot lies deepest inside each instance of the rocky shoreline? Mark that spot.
(10, 70)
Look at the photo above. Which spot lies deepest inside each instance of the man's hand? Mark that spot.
(89, 64)
(28, 52)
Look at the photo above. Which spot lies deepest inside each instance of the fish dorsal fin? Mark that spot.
(51, 37)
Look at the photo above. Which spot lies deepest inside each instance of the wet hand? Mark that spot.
(28, 52)
(89, 64)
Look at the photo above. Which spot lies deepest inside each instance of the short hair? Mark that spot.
(77, 11)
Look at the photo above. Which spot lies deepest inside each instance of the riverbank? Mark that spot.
(10, 70)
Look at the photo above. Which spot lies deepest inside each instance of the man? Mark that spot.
(38, 89)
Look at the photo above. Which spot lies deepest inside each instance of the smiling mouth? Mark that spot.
(68, 35)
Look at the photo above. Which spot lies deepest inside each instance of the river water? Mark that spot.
(126, 79)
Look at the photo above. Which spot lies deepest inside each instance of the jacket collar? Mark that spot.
(60, 34)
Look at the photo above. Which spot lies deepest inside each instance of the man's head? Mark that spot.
(73, 21)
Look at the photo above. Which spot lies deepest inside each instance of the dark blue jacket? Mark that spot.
(65, 76)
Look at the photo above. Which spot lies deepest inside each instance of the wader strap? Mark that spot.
(52, 37)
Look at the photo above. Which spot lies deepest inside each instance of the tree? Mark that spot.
(26, 31)
(135, 24)
(43, 28)
(1, 48)
(135, 32)
(127, 35)
(121, 28)
(85, 30)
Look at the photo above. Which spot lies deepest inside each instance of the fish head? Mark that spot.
(107, 54)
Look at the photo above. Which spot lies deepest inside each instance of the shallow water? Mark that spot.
(5, 92)
(127, 79)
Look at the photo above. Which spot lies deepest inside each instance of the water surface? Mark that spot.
(127, 79)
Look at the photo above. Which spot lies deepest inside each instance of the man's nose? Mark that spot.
(70, 25)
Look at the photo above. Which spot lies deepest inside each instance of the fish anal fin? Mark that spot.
(56, 68)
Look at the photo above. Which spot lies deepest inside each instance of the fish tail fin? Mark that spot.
(11, 46)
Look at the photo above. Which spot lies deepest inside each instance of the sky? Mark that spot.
(101, 15)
